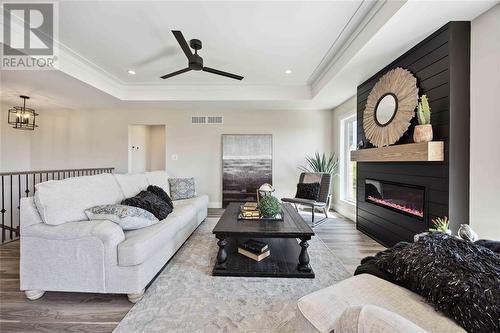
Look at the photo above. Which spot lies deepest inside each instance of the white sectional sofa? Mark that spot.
(61, 250)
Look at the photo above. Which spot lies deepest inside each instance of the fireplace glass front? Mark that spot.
(402, 198)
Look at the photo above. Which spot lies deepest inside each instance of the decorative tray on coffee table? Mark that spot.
(277, 217)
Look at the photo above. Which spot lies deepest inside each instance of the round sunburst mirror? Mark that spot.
(390, 107)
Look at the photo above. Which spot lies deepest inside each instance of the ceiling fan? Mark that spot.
(195, 62)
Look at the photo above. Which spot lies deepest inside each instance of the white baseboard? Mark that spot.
(348, 212)
(215, 205)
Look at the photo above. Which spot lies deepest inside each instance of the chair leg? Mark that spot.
(325, 210)
(312, 209)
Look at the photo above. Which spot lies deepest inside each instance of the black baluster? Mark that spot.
(27, 186)
(11, 210)
(34, 181)
(19, 197)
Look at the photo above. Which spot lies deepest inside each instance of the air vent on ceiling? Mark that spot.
(199, 120)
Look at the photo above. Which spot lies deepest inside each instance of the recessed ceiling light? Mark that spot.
(131, 72)
(288, 71)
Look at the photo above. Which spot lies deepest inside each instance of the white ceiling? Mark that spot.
(258, 40)
(331, 47)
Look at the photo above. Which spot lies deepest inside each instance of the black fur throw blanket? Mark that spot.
(461, 279)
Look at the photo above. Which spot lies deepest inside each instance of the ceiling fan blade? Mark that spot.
(218, 72)
(183, 44)
(176, 73)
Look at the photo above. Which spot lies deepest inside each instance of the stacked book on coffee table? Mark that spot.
(249, 210)
(254, 249)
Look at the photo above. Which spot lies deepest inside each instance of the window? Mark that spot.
(347, 168)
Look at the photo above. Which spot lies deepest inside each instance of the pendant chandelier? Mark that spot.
(21, 117)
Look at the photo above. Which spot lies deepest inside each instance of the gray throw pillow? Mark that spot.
(181, 188)
(127, 217)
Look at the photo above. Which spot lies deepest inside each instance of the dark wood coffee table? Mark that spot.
(287, 259)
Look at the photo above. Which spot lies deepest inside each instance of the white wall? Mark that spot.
(157, 148)
(344, 110)
(485, 125)
(99, 138)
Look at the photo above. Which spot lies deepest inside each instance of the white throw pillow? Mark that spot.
(127, 217)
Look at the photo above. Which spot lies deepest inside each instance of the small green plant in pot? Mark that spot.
(441, 224)
(269, 206)
(423, 131)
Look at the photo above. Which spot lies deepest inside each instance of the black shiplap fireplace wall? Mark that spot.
(441, 64)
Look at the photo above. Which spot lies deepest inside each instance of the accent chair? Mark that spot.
(323, 202)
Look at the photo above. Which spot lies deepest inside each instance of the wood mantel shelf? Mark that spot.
(412, 152)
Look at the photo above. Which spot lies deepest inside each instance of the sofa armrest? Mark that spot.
(29, 213)
(371, 318)
(73, 256)
(109, 233)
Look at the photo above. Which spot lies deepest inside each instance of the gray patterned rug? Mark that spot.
(187, 298)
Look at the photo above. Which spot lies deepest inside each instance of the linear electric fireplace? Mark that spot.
(402, 198)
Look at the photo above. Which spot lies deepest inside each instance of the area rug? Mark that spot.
(185, 297)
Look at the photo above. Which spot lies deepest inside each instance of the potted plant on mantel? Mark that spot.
(423, 131)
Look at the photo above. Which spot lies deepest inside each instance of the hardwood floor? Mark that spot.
(349, 244)
(82, 312)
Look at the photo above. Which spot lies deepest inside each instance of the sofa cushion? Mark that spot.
(141, 244)
(132, 183)
(323, 307)
(127, 217)
(60, 201)
(200, 202)
(158, 178)
(373, 319)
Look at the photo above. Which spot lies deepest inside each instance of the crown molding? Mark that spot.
(376, 18)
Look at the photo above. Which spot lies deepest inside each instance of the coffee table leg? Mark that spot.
(303, 265)
(222, 254)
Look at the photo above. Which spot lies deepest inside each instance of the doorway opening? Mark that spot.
(146, 148)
